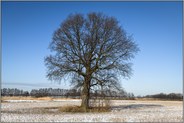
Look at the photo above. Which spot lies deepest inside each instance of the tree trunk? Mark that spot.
(85, 94)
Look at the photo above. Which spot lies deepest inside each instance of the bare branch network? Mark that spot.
(93, 49)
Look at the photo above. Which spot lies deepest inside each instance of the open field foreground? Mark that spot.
(45, 110)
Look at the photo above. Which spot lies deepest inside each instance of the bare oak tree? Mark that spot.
(93, 49)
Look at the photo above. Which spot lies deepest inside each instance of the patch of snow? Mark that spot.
(67, 100)
(12, 101)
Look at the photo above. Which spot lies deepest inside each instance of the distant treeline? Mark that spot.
(38, 92)
(73, 93)
(13, 92)
(171, 96)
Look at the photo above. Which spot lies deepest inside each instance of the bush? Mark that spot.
(71, 109)
(76, 109)
(100, 105)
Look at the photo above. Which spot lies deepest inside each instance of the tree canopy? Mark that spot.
(94, 50)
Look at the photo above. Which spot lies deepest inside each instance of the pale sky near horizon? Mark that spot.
(27, 29)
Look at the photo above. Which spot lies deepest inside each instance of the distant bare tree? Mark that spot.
(94, 50)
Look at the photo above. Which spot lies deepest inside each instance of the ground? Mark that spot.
(45, 110)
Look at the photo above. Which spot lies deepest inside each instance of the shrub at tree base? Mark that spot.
(75, 109)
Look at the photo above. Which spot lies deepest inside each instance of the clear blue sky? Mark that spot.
(27, 29)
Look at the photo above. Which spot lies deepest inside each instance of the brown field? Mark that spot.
(4, 98)
(24, 98)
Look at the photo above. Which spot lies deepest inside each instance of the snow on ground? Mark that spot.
(67, 100)
(23, 101)
(122, 111)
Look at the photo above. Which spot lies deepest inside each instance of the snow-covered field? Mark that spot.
(122, 111)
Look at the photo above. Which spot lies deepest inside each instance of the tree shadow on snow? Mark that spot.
(135, 106)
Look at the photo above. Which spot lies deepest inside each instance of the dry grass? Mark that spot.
(3, 101)
(71, 109)
(77, 109)
(4, 98)
(24, 98)
(44, 98)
